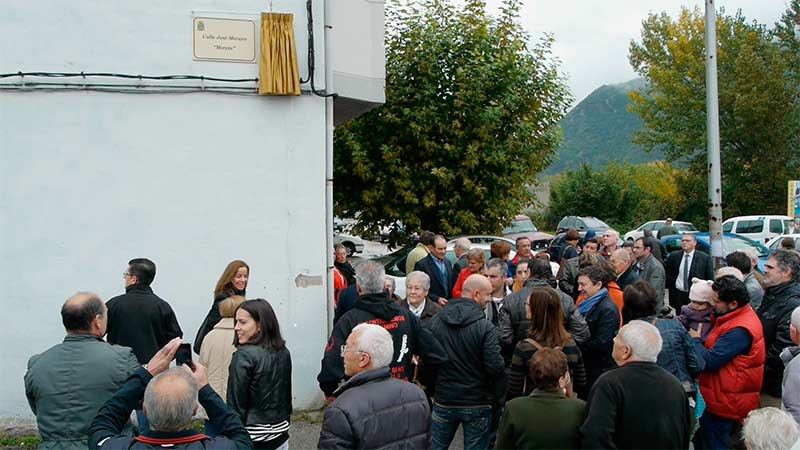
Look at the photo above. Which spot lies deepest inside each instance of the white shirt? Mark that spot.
(679, 281)
(417, 310)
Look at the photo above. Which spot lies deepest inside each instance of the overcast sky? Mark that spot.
(592, 36)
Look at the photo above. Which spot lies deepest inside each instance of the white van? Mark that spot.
(758, 228)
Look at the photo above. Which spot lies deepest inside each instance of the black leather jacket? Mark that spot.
(260, 385)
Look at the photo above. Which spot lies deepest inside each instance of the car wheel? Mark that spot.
(350, 247)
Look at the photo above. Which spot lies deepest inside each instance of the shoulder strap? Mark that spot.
(171, 442)
(533, 343)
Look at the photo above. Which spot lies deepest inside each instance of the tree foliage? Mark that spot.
(470, 118)
(757, 108)
(622, 195)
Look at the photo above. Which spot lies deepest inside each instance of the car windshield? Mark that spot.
(737, 243)
(595, 224)
(685, 227)
(521, 226)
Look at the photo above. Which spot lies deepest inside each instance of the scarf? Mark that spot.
(590, 302)
(347, 270)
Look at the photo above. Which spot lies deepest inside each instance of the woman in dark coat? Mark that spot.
(260, 376)
(232, 282)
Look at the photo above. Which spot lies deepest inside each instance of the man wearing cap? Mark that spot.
(683, 265)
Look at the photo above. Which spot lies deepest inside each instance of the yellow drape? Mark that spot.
(278, 73)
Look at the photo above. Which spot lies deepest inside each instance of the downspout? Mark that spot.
(329, 158)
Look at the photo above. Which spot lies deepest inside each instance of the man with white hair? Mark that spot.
(791, 375)
(770, 429)
(372, 409)
(460, 248)
(610, 241)
(374, 306)
(622, 260)
(638, 404)
(170, 402)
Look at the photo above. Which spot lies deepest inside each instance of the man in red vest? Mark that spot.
(734, 357)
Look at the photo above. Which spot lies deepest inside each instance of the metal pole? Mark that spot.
(712, 134)
(328, 8)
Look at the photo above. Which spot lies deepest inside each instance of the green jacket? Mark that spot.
(67, 384)
(545, 420)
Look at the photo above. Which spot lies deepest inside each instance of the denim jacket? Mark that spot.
(677, 356)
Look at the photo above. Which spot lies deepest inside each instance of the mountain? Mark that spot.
(600, 128)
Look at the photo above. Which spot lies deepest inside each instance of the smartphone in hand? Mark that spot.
(184, 355)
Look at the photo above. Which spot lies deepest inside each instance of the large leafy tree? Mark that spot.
(470, 118)
(756, 105)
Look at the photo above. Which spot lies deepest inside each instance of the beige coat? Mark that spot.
(216, 353)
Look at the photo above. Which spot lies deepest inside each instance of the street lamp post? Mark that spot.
(712, 137)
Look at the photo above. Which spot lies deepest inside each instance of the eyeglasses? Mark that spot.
(125, 274)
(345, 350)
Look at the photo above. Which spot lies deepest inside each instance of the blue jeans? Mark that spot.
(475, 420)
(717, 433)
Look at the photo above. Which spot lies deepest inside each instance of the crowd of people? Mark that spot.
(610, 346)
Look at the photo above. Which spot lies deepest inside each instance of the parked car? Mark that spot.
(522, 226)
(395, 263)
(582, 224)
(730, 243)
(775, 243)
(353, 244)
(654, 226)
(759, 228)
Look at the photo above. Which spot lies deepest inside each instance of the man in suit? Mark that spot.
(683, 265)
(649, 268)
(439, 269)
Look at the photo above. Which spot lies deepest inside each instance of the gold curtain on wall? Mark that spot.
(277, 72)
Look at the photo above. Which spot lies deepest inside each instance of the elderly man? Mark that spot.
(170, 402)
(780, 299)
(638, 404)
(791, 374)
(372, 409)
(683, 265)
(610, 241)
(472, 383)
(770, 429)
(649, 267)
(68, 383)
(375, 307)
(622, 260)
(460, 248)
(524, 252)
(741, 261)
(734, 359)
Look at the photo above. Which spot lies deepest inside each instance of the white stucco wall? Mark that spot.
(91, 180)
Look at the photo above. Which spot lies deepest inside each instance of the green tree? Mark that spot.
(622, 195)
(470, 118)
(756, 105)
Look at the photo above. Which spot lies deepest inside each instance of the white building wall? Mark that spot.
(91, 180)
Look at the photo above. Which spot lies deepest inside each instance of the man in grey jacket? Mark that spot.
(650, 268)
(372, 409)
(791, 375)
(514, 324)
(67, 384)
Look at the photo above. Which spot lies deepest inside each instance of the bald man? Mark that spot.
(68, 383)
(471, 384)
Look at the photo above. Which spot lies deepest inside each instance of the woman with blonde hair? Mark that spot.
(217, 350)
(547, 331)
(232, 282)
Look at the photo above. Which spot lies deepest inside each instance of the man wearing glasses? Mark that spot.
(683, 265)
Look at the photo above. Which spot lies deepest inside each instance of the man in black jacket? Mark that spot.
(170, 401)
(780, 299)
(514, 324)
(638, 404)
(375, 307)
(622, 260)
(140, 319)
(683, 265)
(372, 409)
(472, 382)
